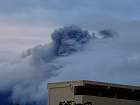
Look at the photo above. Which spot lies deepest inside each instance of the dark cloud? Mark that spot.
(26, 74)
(94, 58)
(69, 39)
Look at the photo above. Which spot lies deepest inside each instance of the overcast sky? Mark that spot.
(26, 23)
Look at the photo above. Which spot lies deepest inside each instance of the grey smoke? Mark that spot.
(69, 39)
(26, 75)
(105, 33)
(73, 54)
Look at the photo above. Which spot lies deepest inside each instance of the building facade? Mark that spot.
(84, 92)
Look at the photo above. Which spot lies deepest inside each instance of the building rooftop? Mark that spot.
(90, 83)
(99, 89)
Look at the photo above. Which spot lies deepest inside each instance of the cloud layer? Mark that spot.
(74, 11)
(26, 75)
(24, 23)
(101, 56)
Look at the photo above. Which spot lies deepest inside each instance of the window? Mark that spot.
(105, 91)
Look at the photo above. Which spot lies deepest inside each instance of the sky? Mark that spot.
(26, 23)
(28, 54)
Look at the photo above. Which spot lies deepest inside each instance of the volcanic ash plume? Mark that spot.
(73, 54)
(69, 39)
(28, 73)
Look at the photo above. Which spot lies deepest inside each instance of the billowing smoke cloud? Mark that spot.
(73, 54)
(27, 74)
(69, 39)
(106, 58)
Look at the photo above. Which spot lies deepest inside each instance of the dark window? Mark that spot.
(81, 90)
(105, 91)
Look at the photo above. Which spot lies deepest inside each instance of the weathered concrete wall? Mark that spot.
(64, 92)
(108, 101)
(57, 95)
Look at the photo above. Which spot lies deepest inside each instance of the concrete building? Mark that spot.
(84, 92)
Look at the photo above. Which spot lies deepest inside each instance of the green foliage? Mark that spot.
(74, 103)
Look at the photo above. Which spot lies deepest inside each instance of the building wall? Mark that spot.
(64, 92)
(108, 101)
(61, 94)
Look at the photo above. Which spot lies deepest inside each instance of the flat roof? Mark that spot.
(88, 82)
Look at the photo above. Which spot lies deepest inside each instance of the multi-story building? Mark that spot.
(84, 92)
